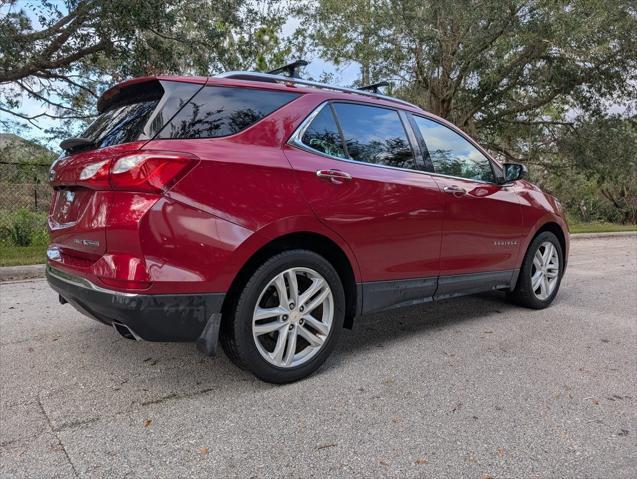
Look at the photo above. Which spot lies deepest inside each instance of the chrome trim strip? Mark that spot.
(83, 283)
(242, 75)
(300, 131)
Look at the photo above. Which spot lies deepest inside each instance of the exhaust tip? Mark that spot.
(125, 331)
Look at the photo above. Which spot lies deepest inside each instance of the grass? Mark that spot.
(36, 254)
(599, 228)
(21, 255)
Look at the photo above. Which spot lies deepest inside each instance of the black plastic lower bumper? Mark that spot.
(174, 317)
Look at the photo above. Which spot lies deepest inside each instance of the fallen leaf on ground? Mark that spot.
(383, 462)
(422, 461)
(147, 423)
(204, 450)
(500, 453)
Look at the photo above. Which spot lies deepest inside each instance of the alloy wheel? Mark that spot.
(293, 317)
(545, 271)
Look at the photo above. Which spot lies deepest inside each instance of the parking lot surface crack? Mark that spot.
(54, 432)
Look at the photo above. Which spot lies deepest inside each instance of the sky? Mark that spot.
(344, 75)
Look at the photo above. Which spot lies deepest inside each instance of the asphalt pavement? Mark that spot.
(474, 388)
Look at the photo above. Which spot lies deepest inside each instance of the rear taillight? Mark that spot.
(147, 171)
(150, 171)
(96, 175)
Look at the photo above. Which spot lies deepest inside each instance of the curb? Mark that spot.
(19, 273)
(616, 234)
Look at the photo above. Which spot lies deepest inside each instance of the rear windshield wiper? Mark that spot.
(73, 143)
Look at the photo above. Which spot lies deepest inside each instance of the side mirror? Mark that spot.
(514, 171)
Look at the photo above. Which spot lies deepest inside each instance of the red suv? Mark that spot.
(270, 212)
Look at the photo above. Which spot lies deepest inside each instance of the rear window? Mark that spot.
(120, 125)
(221, 111)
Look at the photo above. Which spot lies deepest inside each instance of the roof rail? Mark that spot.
(267, 77)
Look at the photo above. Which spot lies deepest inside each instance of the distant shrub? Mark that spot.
(23, 228)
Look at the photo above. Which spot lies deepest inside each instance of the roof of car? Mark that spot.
(251, 80)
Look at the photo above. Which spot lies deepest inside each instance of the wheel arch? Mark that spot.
(306, 240)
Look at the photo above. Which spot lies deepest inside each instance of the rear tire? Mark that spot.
(541, 273)
(272, 336)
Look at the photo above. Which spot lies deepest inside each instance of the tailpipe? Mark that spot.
(125, 331)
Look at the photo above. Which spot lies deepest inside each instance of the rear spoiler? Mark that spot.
(143, 87)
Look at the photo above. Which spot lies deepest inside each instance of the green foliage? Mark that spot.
(64, 54)
(23, 228)
(603, 152)
(22, 161)
(21, 255)
(484, 64)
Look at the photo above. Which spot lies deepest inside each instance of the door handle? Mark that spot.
(335, 176)
(455, 190)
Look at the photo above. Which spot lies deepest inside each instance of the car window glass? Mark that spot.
(375, 135)
(453, 155)
(221, 111)
(119, 125)
(323, 135)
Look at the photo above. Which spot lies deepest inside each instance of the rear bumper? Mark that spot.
(165, 317)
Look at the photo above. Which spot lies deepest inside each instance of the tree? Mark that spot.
(604, 151)
(64, 54)
(506, 71)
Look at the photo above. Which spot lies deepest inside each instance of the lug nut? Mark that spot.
(285, 317)
(301, 321)
(301, 308)
(291, 327)
(292, 305)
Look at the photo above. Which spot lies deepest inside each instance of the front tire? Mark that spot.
(287, 319)
(541, 273)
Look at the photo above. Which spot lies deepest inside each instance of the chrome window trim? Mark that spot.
(295, 141)
(83, 283)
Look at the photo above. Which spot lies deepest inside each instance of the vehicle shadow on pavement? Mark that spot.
(382, 329)
(144, 373)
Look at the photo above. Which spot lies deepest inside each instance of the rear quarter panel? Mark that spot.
(242, 195)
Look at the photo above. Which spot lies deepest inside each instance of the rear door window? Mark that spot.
(451, 154)
(375, 135)
(322, 135)
(222, 111)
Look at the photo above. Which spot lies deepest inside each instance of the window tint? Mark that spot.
(375, 135)
(323, 135)
(451, 154)
(119, 125)
(221, 111)
(176, 96)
